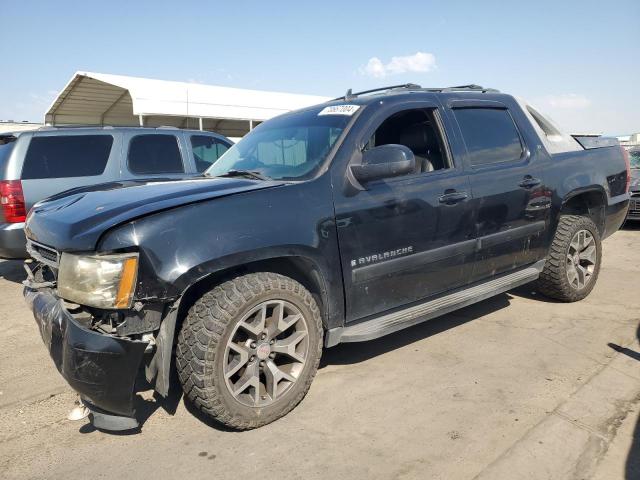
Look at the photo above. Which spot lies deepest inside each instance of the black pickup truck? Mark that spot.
(337, 223)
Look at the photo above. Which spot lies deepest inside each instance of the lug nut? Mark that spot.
(252, 358)
(263, 397)
(262, 363)
(272, 342)
(253, 344)
(272, 355)
(264, 335)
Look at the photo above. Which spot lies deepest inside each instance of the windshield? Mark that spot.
(290, 147)
(634, 157)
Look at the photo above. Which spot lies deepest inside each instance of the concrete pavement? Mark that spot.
(514, 387)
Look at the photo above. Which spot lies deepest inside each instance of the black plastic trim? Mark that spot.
(100, 367)
(386, 323)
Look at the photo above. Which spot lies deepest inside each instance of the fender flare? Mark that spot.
(158, 370)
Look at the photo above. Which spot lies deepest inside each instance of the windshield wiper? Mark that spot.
(245, 173)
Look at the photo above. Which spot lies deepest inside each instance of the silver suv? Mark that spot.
(634, 202)
(37, 164)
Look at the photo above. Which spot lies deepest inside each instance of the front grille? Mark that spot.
(42, 253)
(50, 255)
(634, 205)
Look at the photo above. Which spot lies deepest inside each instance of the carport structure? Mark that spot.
(104, 99)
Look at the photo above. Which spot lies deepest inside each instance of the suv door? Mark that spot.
(154, 153)
(205, 149)
(509, 200)
(405, 238)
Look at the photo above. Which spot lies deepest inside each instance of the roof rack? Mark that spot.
(472, 87)
(412, 86)
(350, 95)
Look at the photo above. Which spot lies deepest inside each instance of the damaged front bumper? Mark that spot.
(102, 368)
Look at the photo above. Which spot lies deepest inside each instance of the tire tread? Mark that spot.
(553, 281)
(203, 328)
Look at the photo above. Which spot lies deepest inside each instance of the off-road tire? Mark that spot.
(553, 281)
(202, 340)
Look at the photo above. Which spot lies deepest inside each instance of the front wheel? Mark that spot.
(573, 262)
(249, 349)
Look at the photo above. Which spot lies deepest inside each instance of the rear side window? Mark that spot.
(206, 150)
(67, 156)
(6, 145)
(154, 154)
(489, 134)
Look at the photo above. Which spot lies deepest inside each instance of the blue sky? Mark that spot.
(576, 60)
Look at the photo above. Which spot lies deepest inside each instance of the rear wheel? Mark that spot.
(249, 349)
(573, 262)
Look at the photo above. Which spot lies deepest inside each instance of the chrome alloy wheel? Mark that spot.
(582, 256)
(266, 353)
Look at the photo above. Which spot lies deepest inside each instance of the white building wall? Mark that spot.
(6, 126)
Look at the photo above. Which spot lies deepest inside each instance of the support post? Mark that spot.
(141, 120)
(200, 123)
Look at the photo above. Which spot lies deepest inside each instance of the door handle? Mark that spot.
(453, 197)
(530, 182)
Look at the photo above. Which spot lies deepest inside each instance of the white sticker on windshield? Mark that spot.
(340, 110)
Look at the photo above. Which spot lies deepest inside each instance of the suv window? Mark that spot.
(417, 130)
(6, 145)
(206, 150)
(66, 156)
(153, 154)
(634, 158)
(489, 134)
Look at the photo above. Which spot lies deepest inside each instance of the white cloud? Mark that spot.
(418, 62)
(567, 101)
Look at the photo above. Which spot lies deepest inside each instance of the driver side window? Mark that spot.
(417, 130)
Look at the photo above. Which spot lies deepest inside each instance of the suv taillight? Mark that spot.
(627, 160)
(12, 201)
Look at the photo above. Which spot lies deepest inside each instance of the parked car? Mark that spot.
(634, 203)
(37, 164)
(338, 223)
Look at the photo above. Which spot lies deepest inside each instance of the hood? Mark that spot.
(75, 220)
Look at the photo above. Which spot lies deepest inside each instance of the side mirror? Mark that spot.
(385, 161)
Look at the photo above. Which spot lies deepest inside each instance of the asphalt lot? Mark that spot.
(513, 387)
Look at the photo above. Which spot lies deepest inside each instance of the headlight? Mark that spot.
(103, 281)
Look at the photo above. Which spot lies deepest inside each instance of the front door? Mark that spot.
(406, 238)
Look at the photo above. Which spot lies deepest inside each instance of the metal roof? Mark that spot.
(103, 99)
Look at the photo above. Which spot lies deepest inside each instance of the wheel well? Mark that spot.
(590, 204)
(300, 269)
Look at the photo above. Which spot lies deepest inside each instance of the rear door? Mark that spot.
(506, 184)
(56, 162)
(205, 149)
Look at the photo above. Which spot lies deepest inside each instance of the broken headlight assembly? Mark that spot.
(101, 281)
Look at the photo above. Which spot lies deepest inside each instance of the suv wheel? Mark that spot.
(573, 262)
(249, 349)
